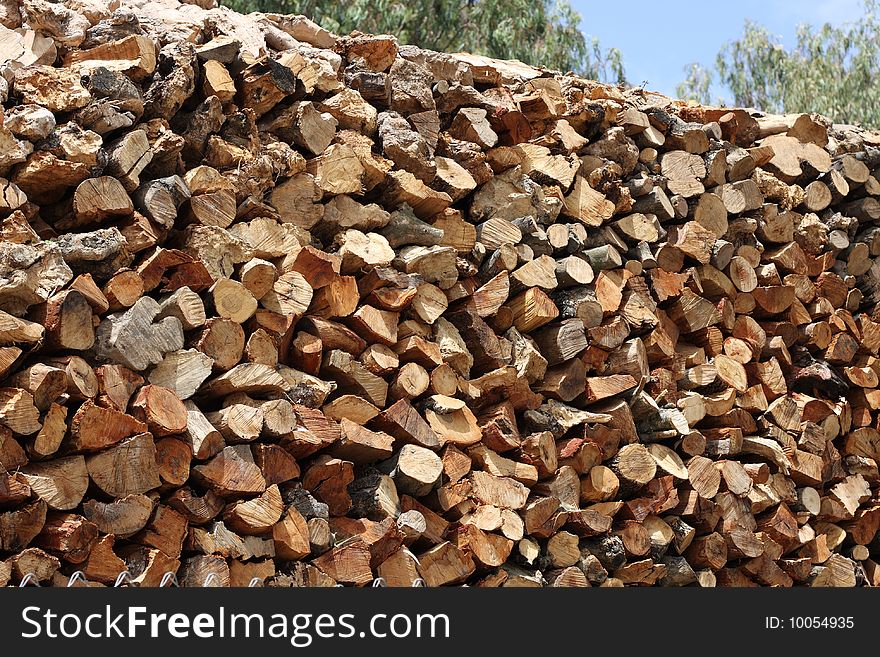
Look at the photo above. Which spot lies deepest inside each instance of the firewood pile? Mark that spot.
(283, 306)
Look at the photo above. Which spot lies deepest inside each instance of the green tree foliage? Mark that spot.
(831, 70)
(696, 85)
(538, 32)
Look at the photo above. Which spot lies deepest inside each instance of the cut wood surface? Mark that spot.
(282, 304)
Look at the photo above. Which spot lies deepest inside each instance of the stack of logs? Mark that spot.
(312, 309)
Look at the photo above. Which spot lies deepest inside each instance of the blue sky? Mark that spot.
(658, 39)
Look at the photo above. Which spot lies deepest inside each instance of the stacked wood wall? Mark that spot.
(280, 304)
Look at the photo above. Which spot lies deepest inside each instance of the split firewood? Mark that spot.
(173, 457)
(328, 479)
(361, 445)
(182, 372)
(134, 339)
(36, 561)
(202, 437)
(160, 409)
(166, 530)
(374, 496)
(255, 516)
(98, 199)
(634, 465)
(291, 536)
(67, 317)
(445, 564)
(123, 290)
(415, 470)
(103, 565)
(238, 423)
(478, 336)
(357, 377)
(123, 517)
(231, 472)
(159, 200)
(185, 305)
(348, 563)
(61, 483)
(232, 300)
(411, 381)
(222, 340)
(246, 378)
(452, 421)
(128, 468)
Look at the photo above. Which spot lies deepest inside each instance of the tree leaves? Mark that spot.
(542, 33)
(831, 70)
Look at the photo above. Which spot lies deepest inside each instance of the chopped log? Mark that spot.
(600, 484)
(411, 381)
(290, 295)
(452, 421)
(159, 200)
(103, 565)
(374, 496)
(99, 199)
(185, 305)
(34, 561)
(197, 510)
(347, 564)
(160, 409)
(445, 564)
(352, 375)
(361, 445)
(222, 340)
(276, 464)
(49, 438)
(415, 470)
(498, 491)
(18, 412)
(123, 290)
(182, 372)
(351, 407)
(67, 317)
(532, 309)
(404, 423)
(173, 457)
(43, 382)
(128, 468)
(249, 378)
(121, 518)
(375, 325)
(238, 423)
(328, 479)
(232, 300)
(60, 483)
(231, 473)
(562, 341)
(202, 437)
(290, 536)
(708, 551)
(204, 570)
(135, 338)
(255, 516)
(634, 465)
(471, 124)
(630, 346)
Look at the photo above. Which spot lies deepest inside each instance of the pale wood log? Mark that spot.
(411, 381)
(161, 409)
(415, 470)
(121, 518)
(231, 473)
(127, 468)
